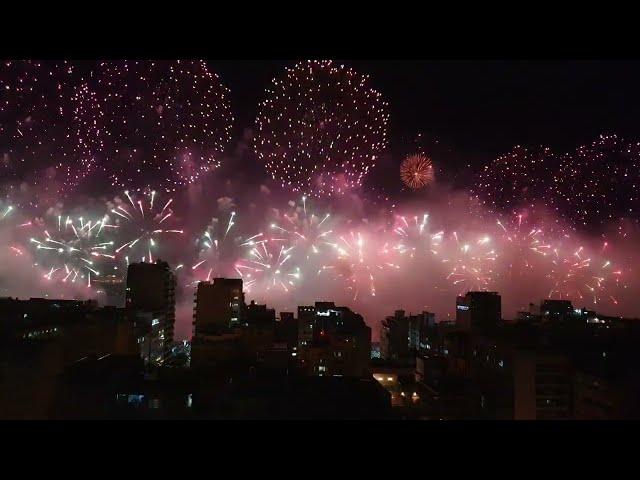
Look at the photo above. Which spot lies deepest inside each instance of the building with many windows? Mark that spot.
(151, 307)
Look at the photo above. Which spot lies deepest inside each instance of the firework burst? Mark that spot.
(308, 233)
(471, 263)
(220, 248)
(143, 221)
(47, 120)
(414, 238)
(320, 129)
(522, 245)
(513, 180)
(600, 183)
(358, 262)
(579, 275)
(74, 249)
(416, 171)
(168, 121)
(268, 266)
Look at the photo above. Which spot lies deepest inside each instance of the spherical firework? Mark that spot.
(600, 183)
(579, 275)
(45, 121)
(74, 250)
(515, 180)
(166, 122)
(416, 171)
(320, 129)
(471, 263)
(141, 222)
(268, 267)
(358, 262)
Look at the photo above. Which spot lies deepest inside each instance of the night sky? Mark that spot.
(479, 109)
(464, 115)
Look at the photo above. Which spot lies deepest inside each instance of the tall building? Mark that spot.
(151, 306)
(394, 337)
(339, 343)
(111, 289)
(542, 386)
(219, 306)
(401, 336)
(219, 312)
(478, 310)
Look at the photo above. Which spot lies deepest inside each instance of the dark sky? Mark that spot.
(479, 108)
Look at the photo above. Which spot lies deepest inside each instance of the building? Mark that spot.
(478, 310)
(111, 290)
(219, 314)
(151, 306)
(556, 309)
(219, 306)
(402, 337)
(542, 386)
(40, 337)
(340, 342)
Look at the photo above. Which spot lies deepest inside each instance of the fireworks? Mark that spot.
(219, 249)
(42, 121)
(414, 236)
(143, 221)
(517, 179)
(600, 183)
(308, 233)
(579, 275)
(320, 129)
(523, 246)
(471, 263)
(74, 249)
(268, 266)
(358, 263)
(87, 130)
(164, 121)
(416, 171)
